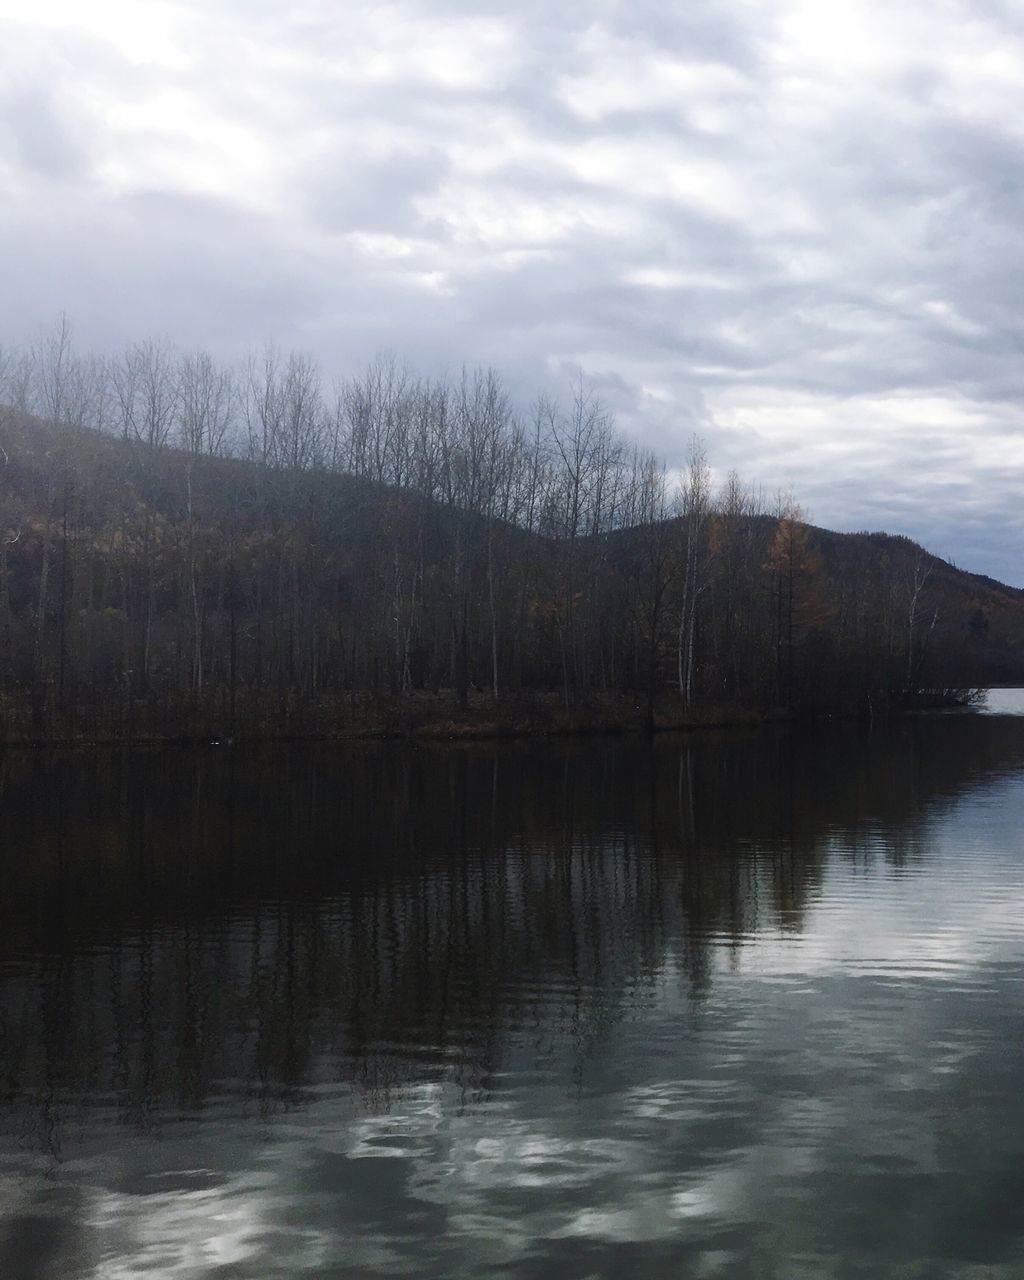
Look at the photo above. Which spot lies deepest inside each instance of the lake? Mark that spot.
(741, 1004)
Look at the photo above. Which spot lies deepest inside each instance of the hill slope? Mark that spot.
(158, 592)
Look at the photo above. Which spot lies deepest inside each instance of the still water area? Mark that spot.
(742, 1004)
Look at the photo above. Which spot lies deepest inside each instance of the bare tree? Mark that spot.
(144, 383)
(379, 411)
(918, 574)
(69, 390)
(301, 430)
(17, 375)
(578, 445)
(647, 510)
(264, 410)
(694, 508)
(206, 404)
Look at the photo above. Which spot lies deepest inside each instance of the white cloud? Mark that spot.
(802, 226)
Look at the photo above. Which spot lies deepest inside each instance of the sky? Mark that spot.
(794, 229)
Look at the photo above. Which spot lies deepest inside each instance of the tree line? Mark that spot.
(189, 543)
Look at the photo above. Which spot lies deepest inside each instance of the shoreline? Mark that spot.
(448, 726)
(423, 718)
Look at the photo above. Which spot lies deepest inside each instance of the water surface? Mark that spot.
(742, 1005)
(1003, 702)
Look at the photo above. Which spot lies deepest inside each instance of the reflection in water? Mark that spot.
(1003, 702)
(734, 1006)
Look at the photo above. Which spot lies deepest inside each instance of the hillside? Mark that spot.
(974, 615)
(164, 593)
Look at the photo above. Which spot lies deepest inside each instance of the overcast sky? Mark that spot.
(793, 227)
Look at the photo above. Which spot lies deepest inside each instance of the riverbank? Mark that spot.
(415, 716)
(418, 715)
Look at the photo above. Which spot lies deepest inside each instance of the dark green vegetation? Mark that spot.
(189, 553)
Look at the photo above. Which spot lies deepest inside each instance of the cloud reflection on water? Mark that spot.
(733, 1011)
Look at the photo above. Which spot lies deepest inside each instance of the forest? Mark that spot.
(191, 549)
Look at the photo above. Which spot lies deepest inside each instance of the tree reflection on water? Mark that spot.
(264, 919)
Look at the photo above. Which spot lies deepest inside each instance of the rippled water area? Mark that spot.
(738, 1005)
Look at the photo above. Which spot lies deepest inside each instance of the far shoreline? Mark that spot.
(436, 718)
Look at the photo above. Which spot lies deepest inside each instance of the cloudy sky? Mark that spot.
(792, 227)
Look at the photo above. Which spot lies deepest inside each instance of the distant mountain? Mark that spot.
(979, 617)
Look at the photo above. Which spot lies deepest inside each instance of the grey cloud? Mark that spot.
(784, 231)
(356, 192)
(705, 29)
(45, 141)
